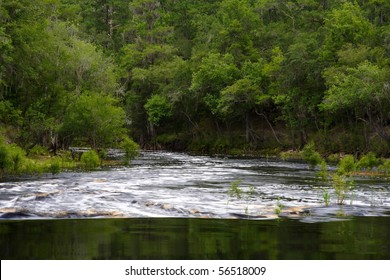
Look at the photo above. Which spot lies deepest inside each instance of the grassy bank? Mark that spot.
(15, 161)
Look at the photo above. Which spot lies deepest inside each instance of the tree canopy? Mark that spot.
(196, 74)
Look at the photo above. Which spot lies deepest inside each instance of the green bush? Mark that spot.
(11, 158)
(368, 161)
(131, 148)
(385, 167)
(379, 146)
(322, 174)
(32, 167)
(346, 165)
(342, 187)
(102, 153)
(310, 155)
(55, 165)
(38, 150)
(90, 160)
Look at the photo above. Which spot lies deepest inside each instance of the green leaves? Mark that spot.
(94, 118)
(158, 107)
(346, 25)
(215, 72)
(354, 87)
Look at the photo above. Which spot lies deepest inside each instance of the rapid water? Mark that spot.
(163, 184)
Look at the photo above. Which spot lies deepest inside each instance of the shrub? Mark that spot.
(32, 167)
(368, 161)
(90, 160)
(310, 155)
(326, 197)
(131, 148)
(55, 165)
(322, 174)
(385, 167)
(102, 153)
(11, 158)
(346, 165)
(38, 150)
(342, 186)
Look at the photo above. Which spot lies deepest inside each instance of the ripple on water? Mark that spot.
(159, 184)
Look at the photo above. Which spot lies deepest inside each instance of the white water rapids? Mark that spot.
(163, 184)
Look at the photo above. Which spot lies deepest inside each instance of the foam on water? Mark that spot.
(161, 184)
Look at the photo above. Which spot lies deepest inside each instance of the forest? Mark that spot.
(212, 76)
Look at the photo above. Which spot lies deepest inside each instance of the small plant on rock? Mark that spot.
(238, 193)
(342, 187)
(279, 207)
(235, 191)
(326, 197)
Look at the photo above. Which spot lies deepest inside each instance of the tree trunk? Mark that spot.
(110, 20)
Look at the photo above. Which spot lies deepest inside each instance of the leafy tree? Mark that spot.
(247, 94)
(95, 119)
(297, 88)
(157, 108)
(237, 29)
(346, 24)
(362, 90)
(216, 72)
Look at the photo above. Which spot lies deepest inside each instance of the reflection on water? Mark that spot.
(151, 238)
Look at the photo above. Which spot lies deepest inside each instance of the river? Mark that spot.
(179, 198)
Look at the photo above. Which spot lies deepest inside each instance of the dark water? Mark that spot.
(182, 238)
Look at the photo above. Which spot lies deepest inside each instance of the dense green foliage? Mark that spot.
(90, 160)
(213, 76)
(130, 148)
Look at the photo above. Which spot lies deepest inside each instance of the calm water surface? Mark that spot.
(176, 206)
(151, 238)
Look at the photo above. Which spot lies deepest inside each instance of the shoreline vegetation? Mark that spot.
(15, 161)
(256, 77)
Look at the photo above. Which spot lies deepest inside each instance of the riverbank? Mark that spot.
(15, 162)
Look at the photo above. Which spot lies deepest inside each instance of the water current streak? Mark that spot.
(162, 184)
